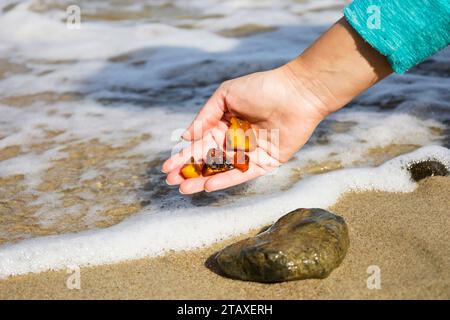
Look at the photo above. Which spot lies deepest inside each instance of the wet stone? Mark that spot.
(303, 244)
(428, 168)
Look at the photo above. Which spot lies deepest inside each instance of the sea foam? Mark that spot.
(147, 235)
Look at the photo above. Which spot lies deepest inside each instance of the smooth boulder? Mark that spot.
(303, 244)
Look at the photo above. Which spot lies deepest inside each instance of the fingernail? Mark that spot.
(179, 190)
(167, 182)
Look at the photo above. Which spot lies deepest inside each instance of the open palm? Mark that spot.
(283, 114)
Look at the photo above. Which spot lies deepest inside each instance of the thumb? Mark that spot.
(208, 117)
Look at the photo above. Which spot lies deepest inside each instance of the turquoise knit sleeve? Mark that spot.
(405, 31)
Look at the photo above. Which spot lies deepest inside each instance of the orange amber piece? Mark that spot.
(241, 161)
(240, 135)
(216, 162)
(191, 169)
(210, 170)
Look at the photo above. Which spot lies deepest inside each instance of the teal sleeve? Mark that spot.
(405, 31)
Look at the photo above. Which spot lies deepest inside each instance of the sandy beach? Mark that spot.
(90, 110)
(404, 234)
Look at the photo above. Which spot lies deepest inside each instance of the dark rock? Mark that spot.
(428, 168)
(303, 244)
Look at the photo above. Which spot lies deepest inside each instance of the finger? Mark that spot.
(208, 117)
(232, 178)
(194, 185)
(197, 149)
(264, 159)
(227, 116)
(218, 133)
(268, 140)
(174, 177)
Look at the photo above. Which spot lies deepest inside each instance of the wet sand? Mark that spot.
(405, 235)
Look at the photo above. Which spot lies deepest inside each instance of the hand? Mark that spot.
(288, 102)
(283, 114)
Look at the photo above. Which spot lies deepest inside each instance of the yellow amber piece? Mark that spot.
(191, 170)
(240, 135)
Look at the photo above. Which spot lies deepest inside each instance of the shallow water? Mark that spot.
(88, 115)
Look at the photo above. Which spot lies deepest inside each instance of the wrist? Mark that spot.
(310, 86)
(337, 67)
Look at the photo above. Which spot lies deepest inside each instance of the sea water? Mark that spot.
(88, 115)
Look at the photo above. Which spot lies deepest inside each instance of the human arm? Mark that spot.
(292, 99)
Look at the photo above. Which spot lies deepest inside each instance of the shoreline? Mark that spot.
(404, 234)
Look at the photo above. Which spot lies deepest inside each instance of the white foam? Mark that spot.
(114, 126)
(52, 40)
(151, 234)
